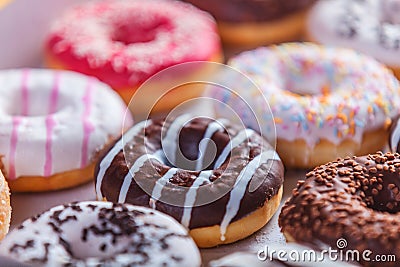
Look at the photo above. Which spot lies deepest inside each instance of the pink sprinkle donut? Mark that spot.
(123, 43)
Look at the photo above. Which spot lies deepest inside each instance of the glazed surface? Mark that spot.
(125, 42)
(314, 93)
(101, 234)
(55, 121)
(140, 169)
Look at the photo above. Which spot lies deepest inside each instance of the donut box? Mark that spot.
(21, 46)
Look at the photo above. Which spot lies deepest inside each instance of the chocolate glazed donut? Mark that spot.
(238, 11)
(356, 199)
(208, 193)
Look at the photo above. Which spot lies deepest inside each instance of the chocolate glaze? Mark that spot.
(237, 11)
(269, 175)
(357, 199)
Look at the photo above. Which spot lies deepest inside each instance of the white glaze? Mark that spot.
(54, 121)
(239, 189)
(132, 171)
(153, 226)
(190, 198)
(169, 142)
(106, 161)
(212, 128)
(158, 187)
(326, 24)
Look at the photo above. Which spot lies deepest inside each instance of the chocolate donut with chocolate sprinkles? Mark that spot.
(97, 233)
(353, 201)
(221, 182)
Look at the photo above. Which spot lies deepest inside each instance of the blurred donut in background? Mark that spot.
(251, 23)
(124, 43)
(370, 26)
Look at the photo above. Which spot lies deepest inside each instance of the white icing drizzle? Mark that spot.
(158, 187)
(240, 186)
(212, 128)
(395, 137)
(236, 141)
(132, 171)
(190, 198)
(106, 162)
(170, 141)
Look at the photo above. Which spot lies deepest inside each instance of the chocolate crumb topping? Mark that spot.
(355, 198)
(142, 232)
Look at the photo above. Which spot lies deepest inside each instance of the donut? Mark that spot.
(164, 164)
(123, 43)
(93, 233)
(5, 208)
(251, 23)
(52, 126)
(354, 200)
(323, 101)
(371, 27)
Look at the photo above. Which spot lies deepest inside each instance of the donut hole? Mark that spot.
(196, 150)
(383, 197)
(139, 29)
(310, 77)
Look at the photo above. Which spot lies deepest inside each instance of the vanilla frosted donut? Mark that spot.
(370, 26)
(101, 234)
(52, 124)
(326, 102)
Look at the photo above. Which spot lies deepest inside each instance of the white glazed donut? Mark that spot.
(370, 26)
(326, 102)
(53, 123)
(101, 234)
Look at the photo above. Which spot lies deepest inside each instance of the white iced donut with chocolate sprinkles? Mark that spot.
(101, 234)
(52, 124)
(325, 102)
(168, 164)
(369, 26)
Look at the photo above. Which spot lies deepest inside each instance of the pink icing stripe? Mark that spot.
(16, 121)
(87, 124)
(50, 124)
(24, 92)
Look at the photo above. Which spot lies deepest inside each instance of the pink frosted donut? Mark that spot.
(52, 124)
(123, 43)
